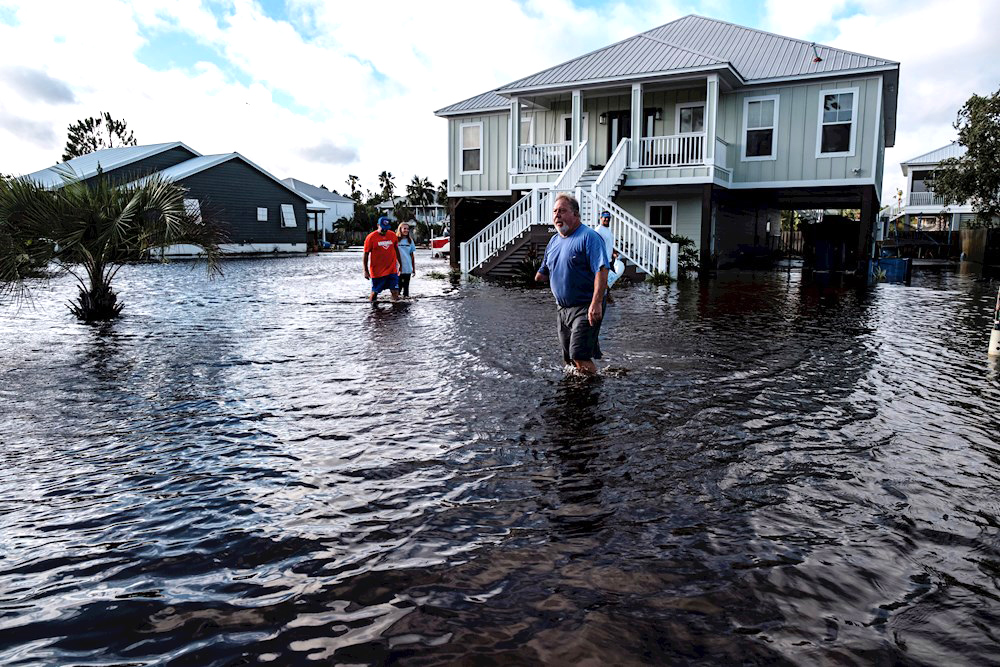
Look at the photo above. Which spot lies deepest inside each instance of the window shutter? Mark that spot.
(288, 215)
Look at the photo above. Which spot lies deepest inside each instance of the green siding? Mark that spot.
(688, 213)
(798, 127)
(494, 157)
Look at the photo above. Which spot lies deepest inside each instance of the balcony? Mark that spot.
(676, 150)
(925, 199)
(540, 158)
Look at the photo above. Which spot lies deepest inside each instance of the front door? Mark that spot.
(619, 127)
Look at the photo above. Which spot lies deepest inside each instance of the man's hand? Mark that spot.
(595, 314)
(367, 275)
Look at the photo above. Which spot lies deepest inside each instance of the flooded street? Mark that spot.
(264, 469)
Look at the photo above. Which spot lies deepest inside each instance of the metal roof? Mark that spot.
(85, 166)
(954, 149)
(321, 194)
(489, 101)
(691, 43)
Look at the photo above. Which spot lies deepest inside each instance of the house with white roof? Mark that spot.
(920, 208)
(257, 212)
(325, 208)
(698, 128)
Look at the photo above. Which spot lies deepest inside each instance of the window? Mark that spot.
(472, 148)
(193, 208)
(837, 112)
(261, 214)
(660, 216)
(567, 123)
(287, 215)
(760, 119)
(527, 129)
(690, 118)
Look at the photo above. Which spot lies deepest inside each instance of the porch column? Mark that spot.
(513, 152)
(711, 110)
(633, 154)
(577, 120)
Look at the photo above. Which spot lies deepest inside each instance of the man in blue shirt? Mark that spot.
(577, 270)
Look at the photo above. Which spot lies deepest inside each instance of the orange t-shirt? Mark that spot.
(382, 261)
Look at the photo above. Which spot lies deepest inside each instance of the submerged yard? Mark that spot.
(265, 468)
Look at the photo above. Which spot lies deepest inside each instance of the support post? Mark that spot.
(869, 211)
(514, 148)
(711, 110)
(706, 231)
(576, 122)
(636, 132)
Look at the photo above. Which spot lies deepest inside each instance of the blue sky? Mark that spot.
(320, 90)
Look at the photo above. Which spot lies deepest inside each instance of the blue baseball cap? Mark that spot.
(384, 223)
(605, 214)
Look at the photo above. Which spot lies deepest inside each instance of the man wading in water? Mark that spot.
(577, 270)
(382, 247)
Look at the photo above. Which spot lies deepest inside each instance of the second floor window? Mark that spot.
(690, 118)
(838, 109)
(760, 118)
(472, 148)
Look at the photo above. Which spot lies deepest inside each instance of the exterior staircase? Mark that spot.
(509, 262)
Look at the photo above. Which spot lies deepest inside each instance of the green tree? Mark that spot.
(353, 182)
(91, 231)
(975, 176)
(386, 183)
(93, 134)
(441, 198)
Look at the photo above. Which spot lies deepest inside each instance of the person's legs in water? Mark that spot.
(404, 284)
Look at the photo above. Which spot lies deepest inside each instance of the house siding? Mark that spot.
(234, 190)
(687, 216)
(493, 159)
(141, 168)
(797, 130)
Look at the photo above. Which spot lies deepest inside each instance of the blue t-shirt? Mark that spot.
(571, 263)
(406, 250)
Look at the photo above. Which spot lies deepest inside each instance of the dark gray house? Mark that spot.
(258, 212)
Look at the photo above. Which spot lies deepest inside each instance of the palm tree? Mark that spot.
(91, 231)
(388, 187)
(441, 198)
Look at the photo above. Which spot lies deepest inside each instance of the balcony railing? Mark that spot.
(925, 199)
(676, 150)
(536, 158)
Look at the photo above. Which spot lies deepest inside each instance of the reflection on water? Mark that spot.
(265, 469)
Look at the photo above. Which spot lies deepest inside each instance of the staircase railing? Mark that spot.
(637, 242)
(574, 169)
(492, 238)
(613, 170)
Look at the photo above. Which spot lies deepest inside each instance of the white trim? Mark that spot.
(591, 83)
(855, 94)
(479, 193)
(261, 214)
(188, 250)
(673, 214)
(875, 143)
(685, 180)
(688, 105)
(585, 133)
(749, 185)
(774, 129)
(825, 75)
(462, 148)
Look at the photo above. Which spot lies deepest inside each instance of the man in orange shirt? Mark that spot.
(382, 247)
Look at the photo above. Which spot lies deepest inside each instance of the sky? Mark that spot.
(319, 90)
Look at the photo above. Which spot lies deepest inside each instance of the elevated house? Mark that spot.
(919, 208)
(698, 128)
(259, 214)
(431, 214)
(325, 208)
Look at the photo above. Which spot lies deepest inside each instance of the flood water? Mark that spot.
(264, 470)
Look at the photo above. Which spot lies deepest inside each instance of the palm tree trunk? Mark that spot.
(97, 303)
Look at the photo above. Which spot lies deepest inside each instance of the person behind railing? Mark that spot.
(606, 233)
(576, 266)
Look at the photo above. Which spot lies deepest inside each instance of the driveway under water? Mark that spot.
(264, 468)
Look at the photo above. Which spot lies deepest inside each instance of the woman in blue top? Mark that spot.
(407, 258)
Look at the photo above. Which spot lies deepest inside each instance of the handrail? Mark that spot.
(675, 150)
(612, 171)
(574, 169)
(507, 226)
(637, 242)
(544, 157)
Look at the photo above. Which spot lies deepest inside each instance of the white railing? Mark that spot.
(676, 150)
(535, 158)
(925, 199)
(492, 238)
(613, 170)
(637, 242)
(574, 169)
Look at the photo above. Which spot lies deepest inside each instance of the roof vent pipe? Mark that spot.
(816, 58)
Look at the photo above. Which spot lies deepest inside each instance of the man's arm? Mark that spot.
(541, 277)
(596, 312)
(365, 262)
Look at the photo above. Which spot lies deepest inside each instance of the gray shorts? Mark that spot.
(578, 338)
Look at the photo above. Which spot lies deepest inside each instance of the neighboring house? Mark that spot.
(698, 128)
(257, 212)
(325, 208)
(919, 207)
(433, 214)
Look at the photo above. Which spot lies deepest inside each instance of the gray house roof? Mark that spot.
(85, 166)
(320, 194)
(744, 56)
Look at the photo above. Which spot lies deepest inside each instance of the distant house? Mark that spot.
(325, 208)
(698, 128)
(434, 214)
(920, 208)
(258, 213)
